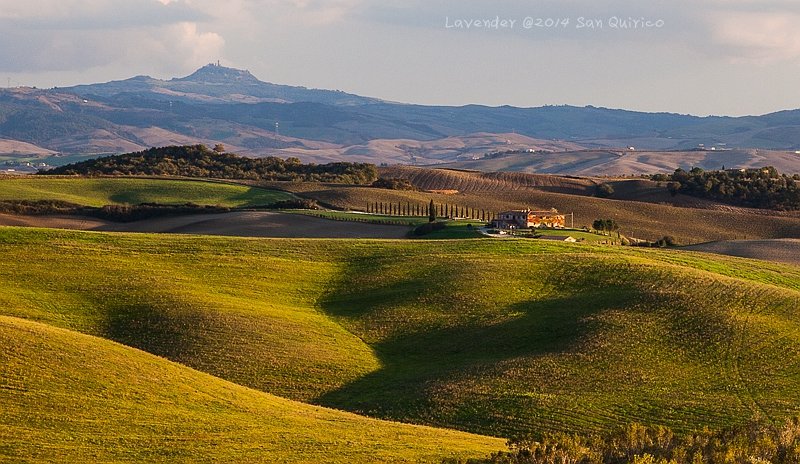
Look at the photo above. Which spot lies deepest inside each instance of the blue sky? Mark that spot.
(730, 57)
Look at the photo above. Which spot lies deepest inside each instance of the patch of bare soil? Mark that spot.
(778, 250)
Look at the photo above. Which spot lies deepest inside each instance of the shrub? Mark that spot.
(604, 190)
(427, 228)
(299, 203)
(755, 441)
(131, 213)
(394, 184)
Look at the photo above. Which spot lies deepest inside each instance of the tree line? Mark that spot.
(763, 188)
(200, 161)
(431, 210)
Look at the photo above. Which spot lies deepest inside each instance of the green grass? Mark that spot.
(460, 229)
(495, 337)
(361, 217)
(583, 237)
(68, 397)
(107, 191)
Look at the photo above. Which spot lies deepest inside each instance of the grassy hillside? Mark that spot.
(67, 397)
(106, 191)
(491, 336)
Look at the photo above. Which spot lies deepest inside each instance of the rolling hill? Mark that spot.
(68, 397)
(110, 191)
(493, 337)
(632, 162)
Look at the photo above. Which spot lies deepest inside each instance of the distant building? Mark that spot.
(559, 238)
(528, 219)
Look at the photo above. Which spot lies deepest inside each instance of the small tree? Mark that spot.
(605, 225)
(219, 148)
(604, 190)
(432, 214)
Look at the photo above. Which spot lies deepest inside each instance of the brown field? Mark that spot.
(619, 162)
(472, 181)
(638, 219)
(402, 151)
(243, 224)
(779, 250)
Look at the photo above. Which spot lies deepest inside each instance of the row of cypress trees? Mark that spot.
(431, 210)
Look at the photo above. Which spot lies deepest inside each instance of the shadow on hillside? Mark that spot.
(418, 363)
(162, 329)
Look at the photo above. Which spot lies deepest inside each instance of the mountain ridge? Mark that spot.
(217, 104)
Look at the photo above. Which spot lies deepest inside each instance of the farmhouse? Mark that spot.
(528, 219)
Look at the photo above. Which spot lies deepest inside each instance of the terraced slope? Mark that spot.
(108, 191)
(67, 397)
(496, 337)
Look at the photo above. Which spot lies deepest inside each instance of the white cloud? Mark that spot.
(757, 37)
(76, 35)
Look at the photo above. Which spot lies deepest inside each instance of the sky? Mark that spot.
(722, 57)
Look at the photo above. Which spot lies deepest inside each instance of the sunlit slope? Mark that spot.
(108, 191)
(242, 310)
(511, 342)
(67, 397)
(490, 336)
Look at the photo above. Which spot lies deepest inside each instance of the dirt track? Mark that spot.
(779, 250)
(243, 224)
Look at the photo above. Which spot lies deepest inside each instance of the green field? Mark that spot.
(497, 337)
(68, 397)
(107, 191)
(363, 217)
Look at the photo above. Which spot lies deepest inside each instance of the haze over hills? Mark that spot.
(216, 104)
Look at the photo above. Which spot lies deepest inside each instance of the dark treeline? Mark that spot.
(130, 213)
(443, 210)
(200, 161)
(40, 207)
(762, 188)
(755, 442)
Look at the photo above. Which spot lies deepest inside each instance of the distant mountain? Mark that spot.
(216, 104)
(215, 84)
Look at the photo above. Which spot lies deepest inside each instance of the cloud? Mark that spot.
(76, 35)
(757, 37)
(52, 15)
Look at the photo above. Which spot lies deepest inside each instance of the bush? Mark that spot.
(755, 441)
(37, 207)
(394, 184)
(427, 228)
(604, 190)
(299, 203)
(666, 241)
(131, 213)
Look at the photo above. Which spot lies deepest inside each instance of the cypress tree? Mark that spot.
(431, 212)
